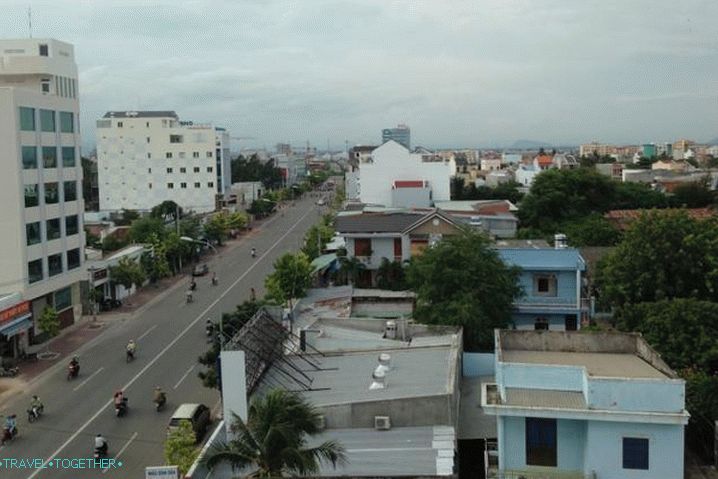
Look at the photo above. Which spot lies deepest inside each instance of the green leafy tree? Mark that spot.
(350, 270)
(217, 228)
(125, 217)
(49, 323)
(154, 262)
(391, 275)
(274, 439)
(692, 195)
(253, 169)
(702, 403)
(168, 210)
(127, 273)
(261, 207)
(143, 229)
(637, 196)
(113, 243)
(291, 278)
(592, 230)
(317, 238)
(462, 281)
(663, 255)
(181, 447)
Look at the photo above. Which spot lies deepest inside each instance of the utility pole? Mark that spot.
(29, 19)
(177, 227)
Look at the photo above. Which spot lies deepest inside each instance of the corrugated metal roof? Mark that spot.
(544, 259)
(323, 262)
(376, 222)
(544, 398)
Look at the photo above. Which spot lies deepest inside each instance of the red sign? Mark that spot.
(15, 312)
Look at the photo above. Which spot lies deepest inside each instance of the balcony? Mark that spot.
(540, 475)
(548, 302)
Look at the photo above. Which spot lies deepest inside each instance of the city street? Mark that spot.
(170, 336)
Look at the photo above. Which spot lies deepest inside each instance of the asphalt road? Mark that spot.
(170, 336)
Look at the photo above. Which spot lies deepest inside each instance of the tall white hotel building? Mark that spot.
(42, 240)
(147, 157)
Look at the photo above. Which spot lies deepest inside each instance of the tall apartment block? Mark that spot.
(400, 134)
(147, 157)
(42, 239)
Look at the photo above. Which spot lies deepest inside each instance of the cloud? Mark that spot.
(463, 72)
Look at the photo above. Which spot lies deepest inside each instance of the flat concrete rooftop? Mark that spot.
(614, 365)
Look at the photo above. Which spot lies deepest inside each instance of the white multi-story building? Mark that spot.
(391, 168)
(42, 239)
(147, 157)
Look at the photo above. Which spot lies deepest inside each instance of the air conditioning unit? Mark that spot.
(322, 422)
(382, 423)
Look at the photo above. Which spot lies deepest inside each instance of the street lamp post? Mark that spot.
(206, 243)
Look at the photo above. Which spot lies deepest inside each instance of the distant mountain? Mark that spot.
(714, 141)
(529, 145)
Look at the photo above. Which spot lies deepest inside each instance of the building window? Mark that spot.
(73, 258)
(52, 195)
(181, 154)
(195, 154)
(149, 185)
(34, 271)
(196, 169)
(43, 49)
(49, 157)
(175, 138)
(67, 123)
(54, 264)
(170, 186)
(32, 197)
(183, 185)
(119, 124)
(27, 119)
(149, 156)
(197, 185)
(148, 138)
(70, 190)
(168, 155)
(635, 453)
(540, 442)
(183, 170)
(397, 249)
(71, 225)
(53, 229)
(209, 169)
(169, 170)
(545, 285)
(571, 322)
(32, 232)
(362, 247)
(209, 154)
(541, 324)
(68, 156)
(63, 297)
(29, 157)
(149, 170)
(47, 120)
(45, 85)
(210, 184)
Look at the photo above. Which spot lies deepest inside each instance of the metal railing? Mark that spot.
(530, 474)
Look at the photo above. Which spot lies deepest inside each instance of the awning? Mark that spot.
(18, 325)
(323, 262)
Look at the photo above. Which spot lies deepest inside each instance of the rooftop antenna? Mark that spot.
(29, 19)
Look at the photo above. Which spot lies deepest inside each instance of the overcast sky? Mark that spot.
(459, 73)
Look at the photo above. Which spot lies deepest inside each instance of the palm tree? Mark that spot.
(351, 268)
(273, 440)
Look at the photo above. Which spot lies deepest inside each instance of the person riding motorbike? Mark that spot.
(252, 294)
(253, 252)
(10, 428)
(189, 295)
(209, 327)
(36, 406)
(160, 398)
(74, 366)
(214, 279)
(131, 349)
(120, 402)
(100, 445)
(192, 285)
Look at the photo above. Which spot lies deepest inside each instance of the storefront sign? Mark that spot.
(17, 311)
(162, 472)
(99, 274)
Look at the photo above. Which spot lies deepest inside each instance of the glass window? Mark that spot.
(169, 170)
(34, 271)
(196, 169)
(53, 229)
(183, 185)
(183, 170)
(168, 154)
(47, 120)
(209, 169)
(63, 298)
(635, 453)
(170, 186)
(210, 184)
(197, 185)
(73, 258)
(540, 442)
(209, 154)
(195, 154)
(27, 119)
(49, 157)
(67, 122)
(68, 156)
(43, 49)
(32, 231)
(29, 157)
(362, 246)
(71, 225)
(32, 197)
(51, 193)
(54, 264)
(70, 190)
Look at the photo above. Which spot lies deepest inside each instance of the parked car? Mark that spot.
(200, 270)
(197, 414)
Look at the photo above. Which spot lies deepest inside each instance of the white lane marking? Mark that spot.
(183, 377)
(86, 380)
(166, 348)
(146, 332)
(121, 451)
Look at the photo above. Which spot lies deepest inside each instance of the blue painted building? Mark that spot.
(584, 405)
(551, 279)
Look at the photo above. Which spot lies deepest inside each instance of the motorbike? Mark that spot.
(129, 355)
(73, 370)
(192, 286)
(253, 253)
(101, 452)
(189, 297)
(8, 435)
(215, 281)
(160, 403)
(33, 414)
(121, 408)
(9, 372)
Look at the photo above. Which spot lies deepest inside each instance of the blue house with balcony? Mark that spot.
(577, 405)
(551, 279)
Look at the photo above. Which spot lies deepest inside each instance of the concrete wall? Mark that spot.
(556, 322)
(536, 376)
(604, 451)
(636, 395)
(411, 197)
(594, 342)
(565, 288)
(478, 364)
(351, 185)
(416, 411)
